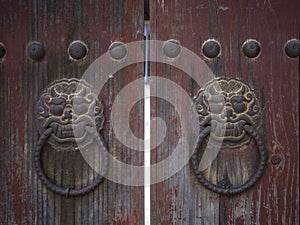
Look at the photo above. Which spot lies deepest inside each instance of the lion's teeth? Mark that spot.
(69, 130)
(55, 127)
(228, 132)
(59, 131)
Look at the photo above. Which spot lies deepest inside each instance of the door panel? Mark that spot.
(274, 78)
(24, 199)
(180, 199)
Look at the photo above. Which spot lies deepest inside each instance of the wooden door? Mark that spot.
(25, 71)
(273, 76)
(42, 42)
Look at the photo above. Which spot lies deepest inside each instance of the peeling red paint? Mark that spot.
(23, 200)
(273, 76)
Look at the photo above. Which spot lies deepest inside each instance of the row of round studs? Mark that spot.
(211, 48)
(250, 48)
(77, 50)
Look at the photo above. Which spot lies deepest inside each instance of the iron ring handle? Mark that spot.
(69, 191)
(233, 189)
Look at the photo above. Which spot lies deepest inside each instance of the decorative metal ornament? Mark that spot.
(230, 103)
(67, 106)
(69, 115)
(229, 111)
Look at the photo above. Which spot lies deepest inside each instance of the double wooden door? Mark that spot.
(42, 42)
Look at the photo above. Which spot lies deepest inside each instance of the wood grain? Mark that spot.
(23, 199)
(274, 77)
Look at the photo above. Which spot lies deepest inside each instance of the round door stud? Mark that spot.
(292, 48)
(35, 50)
(77, 50)
(171, 48)
(117, 50)
(276, 159)
(211, 48)
(251, 48)
(2, 51)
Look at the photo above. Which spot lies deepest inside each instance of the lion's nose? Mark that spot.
(67, 114)
(227, 113)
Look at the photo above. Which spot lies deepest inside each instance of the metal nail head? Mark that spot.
(117, 50)
(77, 50)
(292, 48)
(36, 50)
(251, 48)
(211, 48)
(172, 48)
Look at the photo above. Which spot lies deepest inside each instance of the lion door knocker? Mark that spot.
(229, 114)
(69, 116)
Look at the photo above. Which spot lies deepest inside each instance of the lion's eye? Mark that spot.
(238, 99)
(217, 99)
(58, 101)
(216, 108)
(80, 109)
(78, 100)
(239, 107)
(238, 104)
(57, 110)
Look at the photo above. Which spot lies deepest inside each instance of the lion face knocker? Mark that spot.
(69, 116)
(69, 108)
(230, 115)
(227, 105)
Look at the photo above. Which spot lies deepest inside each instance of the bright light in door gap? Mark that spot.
(147, 128)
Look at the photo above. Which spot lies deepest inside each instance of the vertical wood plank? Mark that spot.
(273, 76)
(24, 200)
(180, 199)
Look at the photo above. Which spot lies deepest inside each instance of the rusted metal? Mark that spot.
(69, 116)
(276, 159)
(172, 48)
(251, 48)
(275, 79)
(292, 48)
(230, 112)
(69, 106)
(68, 191)
(224, 186)
(211, 48)
(117, 50)
(35, 50)
(228, 105)
(77, 50)
(24, 198)
(2, 50)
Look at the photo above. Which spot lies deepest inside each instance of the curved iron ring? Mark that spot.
(69, 191)
(233, 189)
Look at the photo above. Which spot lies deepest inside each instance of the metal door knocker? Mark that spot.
(69, 116)
(229, 113)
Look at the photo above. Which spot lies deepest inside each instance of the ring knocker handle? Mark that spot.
(69, 191)
(232, 189)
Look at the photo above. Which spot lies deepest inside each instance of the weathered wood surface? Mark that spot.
(274, 77)
(23, 199)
